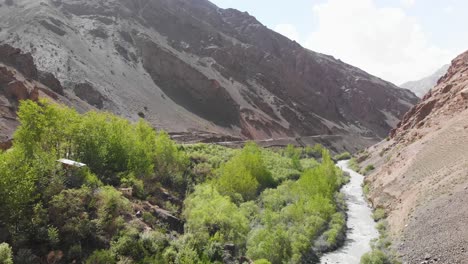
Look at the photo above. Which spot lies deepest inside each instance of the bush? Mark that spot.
(68, 212)
(353, 164)
(368, 169)
(379, 214)
(210, 215)
(374, 257)
(237, 182)
(262, 261)
(101, 257)
(6, 254)
(137, 185)
(244, 175)
(170, 163)
(343, 156)
(111, 205)
(128, 245)
(295, 214)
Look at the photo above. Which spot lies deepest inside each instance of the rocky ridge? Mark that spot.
(421, 180)
(421, 87)
(189, 66)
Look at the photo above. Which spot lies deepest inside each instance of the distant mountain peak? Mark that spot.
(422, 86)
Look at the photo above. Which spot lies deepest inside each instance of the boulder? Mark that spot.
(49, 80)
(464, 94)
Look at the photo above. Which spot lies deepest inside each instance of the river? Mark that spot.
(361, 226)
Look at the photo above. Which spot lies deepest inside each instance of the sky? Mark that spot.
(397, 40)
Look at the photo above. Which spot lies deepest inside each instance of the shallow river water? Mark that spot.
(361, 226)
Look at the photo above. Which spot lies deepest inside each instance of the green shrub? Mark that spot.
(368, 169)
(210, 215)
(6, 254)
(374, 257)
(379, 214)
(295, 214)
(68, 213)
(262, 261)
(53, 236)
(343, 156)
(111, 205)
(101, 257)
(242, 177)
(128, 245)
(353, 164)
(366, 189)
(25, 256)
(137, 185)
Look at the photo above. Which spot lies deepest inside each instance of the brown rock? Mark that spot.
(21, 90)
(23, 62)
(464, 94)
(49, 80)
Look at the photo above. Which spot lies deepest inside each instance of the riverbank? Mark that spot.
(361, 226)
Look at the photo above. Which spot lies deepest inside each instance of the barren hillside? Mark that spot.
(189, 66)
(422, 175)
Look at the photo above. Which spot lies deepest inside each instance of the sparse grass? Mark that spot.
(366, 189)
(379, 214)
(368, 169)
(382, 251)
(353, 164)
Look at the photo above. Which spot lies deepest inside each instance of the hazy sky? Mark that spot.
(398, 40)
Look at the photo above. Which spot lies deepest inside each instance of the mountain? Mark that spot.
(422, 175)
(188, 66)
(421, 87)
(21, 80)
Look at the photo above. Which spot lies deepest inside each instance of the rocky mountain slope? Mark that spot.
(422, 175)
(20, 80)
(421, 87)
(187, 66)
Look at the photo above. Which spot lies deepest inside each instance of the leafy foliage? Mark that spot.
(6, 254)
(343, 156)
(269, 205)
(244, 175)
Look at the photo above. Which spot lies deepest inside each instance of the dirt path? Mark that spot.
(361, 226)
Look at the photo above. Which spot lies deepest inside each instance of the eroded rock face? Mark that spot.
(50, 81)
(17, 84)
(88, 93)
(421, 178)
(194, 66)
(447, 98)
(24, 62)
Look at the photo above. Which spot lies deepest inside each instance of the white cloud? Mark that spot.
(385, 42)
(448, 9)
(408, 3)
(288, 30)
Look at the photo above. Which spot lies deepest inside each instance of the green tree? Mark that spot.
(6, 254)
(237, 182)
(170, 163)
(101, 257)
(210, 215)
(244, 175)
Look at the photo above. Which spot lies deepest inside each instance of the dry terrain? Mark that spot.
(422, 174)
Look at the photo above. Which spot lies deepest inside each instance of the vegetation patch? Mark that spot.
(141, 198)
(354, 165)
(343, 156)
(367, 169)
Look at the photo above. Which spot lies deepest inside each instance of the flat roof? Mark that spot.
(72, 163)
